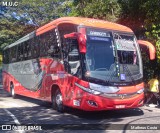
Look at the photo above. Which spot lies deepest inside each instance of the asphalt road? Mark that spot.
(22, 111)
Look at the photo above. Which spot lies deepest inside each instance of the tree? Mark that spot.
(12, 30)
(16, 22)
(35, 12)
(100, 9)
(133, 15)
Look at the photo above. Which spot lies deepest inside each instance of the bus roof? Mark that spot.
(74, 20)
(86, 22)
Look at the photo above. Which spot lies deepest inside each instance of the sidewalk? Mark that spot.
(151, 108)
(152, 105)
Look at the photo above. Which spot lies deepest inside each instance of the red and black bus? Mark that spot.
(83, 63)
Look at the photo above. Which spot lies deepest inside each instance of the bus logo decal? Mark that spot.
(122, 96)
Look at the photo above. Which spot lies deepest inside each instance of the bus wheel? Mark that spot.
(12, 90)
(58, 101)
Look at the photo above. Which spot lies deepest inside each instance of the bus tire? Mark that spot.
(12, 90)
(53, 101)
(58, 101)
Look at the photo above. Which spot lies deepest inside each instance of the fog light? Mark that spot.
(140, 91)
(141, 102)
(92, 103)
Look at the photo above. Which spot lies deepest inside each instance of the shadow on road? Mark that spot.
(106, 114)
(109, 114)
(98, 115)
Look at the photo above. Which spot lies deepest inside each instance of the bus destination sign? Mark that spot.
(97, 33)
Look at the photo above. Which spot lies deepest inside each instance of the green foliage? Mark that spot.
(142, 16)
(101, 9)
(132, 14)
(11, 31)
(66, 9)
(152, 25)
(152, 10)
(16, 22)
(148, 66)
(158, 51)
(37, 11)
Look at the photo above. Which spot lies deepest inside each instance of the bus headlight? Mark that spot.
(104, 89)
(88, 89)
(140, 91)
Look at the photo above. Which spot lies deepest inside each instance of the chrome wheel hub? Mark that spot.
(59, 99)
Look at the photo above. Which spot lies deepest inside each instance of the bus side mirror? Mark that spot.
(81, 40)
(71, 35)
(152, 50)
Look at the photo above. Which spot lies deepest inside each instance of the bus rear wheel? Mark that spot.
(57, 101)
(12, 90)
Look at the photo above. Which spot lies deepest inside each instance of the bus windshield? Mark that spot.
(113, 57)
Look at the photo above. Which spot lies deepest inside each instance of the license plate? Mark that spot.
(120, 106)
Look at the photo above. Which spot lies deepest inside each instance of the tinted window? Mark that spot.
(20, 52)
(43, 43)
(13, 54)
(34, 42)
(49, 45)
(6, 56)
(25, 51)
(49, 40)
(28, 48)
(63, 29)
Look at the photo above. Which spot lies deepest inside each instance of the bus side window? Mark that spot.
(10, 52)
(4, 57)
(25, 51)
(13, 54)
(20, 52)
(35, 47)
(53, 49)
(49, 41)
(28, 49)
(6, 54)
(42, 45)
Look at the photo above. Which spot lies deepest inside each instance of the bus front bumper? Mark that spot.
(89, 102)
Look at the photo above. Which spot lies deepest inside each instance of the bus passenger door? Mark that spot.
(72, 65)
